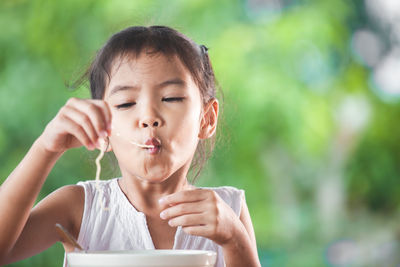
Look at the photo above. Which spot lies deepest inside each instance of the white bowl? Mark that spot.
(143, 258)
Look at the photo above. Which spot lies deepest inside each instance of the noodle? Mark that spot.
(103, 148)
(134, 143)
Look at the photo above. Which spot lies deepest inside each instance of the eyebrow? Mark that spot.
(175, 81)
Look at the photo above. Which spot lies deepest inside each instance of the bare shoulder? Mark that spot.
(66, 204)
(74, 191)
(66, 197)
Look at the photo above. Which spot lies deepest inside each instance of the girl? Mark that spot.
(154, 103)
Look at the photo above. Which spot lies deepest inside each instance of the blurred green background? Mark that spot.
(310, 113)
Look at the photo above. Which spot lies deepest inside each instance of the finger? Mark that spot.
(94, 112)
(184, 196)
(188, 220)
(199, 230)
(181, 209)
(83, 120)
(78, 132)
(106, 112)
(105, 109)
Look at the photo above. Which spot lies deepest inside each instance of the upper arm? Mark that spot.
(63, 206)
(246, 221)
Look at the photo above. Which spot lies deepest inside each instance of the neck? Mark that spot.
(144, 195)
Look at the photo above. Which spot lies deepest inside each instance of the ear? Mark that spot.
(209, 119)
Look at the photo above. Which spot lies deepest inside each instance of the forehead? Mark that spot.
(146, 68)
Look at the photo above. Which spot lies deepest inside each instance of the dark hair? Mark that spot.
(133, 41)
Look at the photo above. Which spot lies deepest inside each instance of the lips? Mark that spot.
(152, 142)
(156, 146)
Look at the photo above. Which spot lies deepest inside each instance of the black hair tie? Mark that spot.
(204, 49)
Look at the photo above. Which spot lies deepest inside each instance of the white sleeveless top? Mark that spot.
(122, 227)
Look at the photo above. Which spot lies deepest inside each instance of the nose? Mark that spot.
(150, 122)
(149, 113)
(150, 119)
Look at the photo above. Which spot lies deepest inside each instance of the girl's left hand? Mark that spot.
(201, 212)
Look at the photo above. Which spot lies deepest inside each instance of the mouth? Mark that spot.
(152, 145)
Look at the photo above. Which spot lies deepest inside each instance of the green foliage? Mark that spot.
(285, 76)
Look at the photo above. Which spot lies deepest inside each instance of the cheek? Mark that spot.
(120, 150)
(120, 121)
(185, 132)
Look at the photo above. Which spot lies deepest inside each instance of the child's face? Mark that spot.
(153, 96)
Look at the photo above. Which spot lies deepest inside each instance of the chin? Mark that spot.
(155, 175)
(153, 180)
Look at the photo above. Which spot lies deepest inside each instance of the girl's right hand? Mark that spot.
(80, 122)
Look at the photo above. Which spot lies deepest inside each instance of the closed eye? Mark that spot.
(173, 99)
(125, 105)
